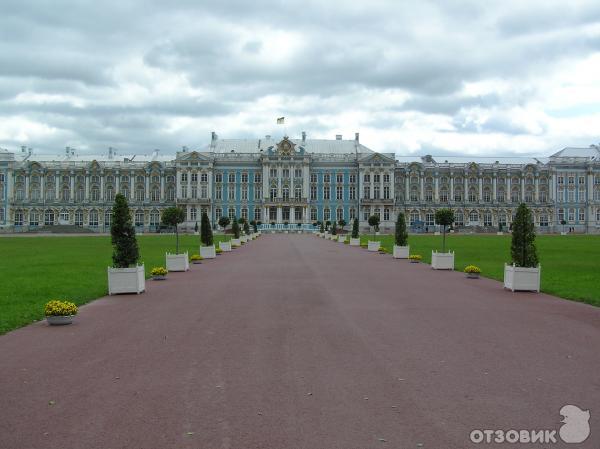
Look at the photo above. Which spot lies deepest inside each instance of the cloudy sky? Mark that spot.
(413, 77)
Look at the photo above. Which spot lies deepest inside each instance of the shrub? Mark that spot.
(522, 248)
(327, 224)
(401, 236)
(246, 227)
(472, 269)
(322, 228)
(218, 251)
(56, 307)
(355, 228)
(444, 217)
(342, 223)
(374, 223)
(158, 271)
(224, 222)
(122, 234)
(172, 216)
(235, 228)
(206, 235)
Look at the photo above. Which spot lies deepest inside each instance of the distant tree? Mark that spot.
(224, 222)
(374, 223)
(401, 236)
(254, 226)
(122, 234)
(355, 228)
(241, 220)
(342, 223)
(172, 216)
(522, 248)
(327, 224)
(235, 228)
(444, 217)
(246, 227)
(563, 223)
(322, 228)
(333, 228)
(196, 227)
(206, 235)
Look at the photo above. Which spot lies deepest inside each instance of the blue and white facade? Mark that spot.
(292, 183)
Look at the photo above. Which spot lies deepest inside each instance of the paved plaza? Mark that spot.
(295, 342)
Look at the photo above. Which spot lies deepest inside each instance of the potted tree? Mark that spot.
(125, 276)
(444, 260)
(401, 247)
(563, 223)
(172, 216)
(342, 223)
(246, 227)
(59, 312)
(207, 246)
(224, 222)
(500, 227)
(334, 230)
(354, 238)
(196, 229)
(235, 228)
(524, 272)
(374, 245)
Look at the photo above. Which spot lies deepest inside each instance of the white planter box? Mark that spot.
(208, 252)
(373, 246)
(499, 233)
(521, 278)
(354, 242)
(178, 262)
(126, 280)
(236, 242)
(225, 246)
(341, 238)
(563, 233)
(244, 238)
(437, 233)
(401, 252)
(442, 261)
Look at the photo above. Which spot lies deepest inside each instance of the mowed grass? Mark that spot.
(570, 264)
(35, 270)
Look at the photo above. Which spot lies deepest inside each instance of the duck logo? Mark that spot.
(576, 426)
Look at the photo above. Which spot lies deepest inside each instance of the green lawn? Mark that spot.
(570, 264)
(37, 269)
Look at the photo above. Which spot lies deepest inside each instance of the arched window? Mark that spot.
(154, 218)
(193, 214)
(298, 194)
(472, 195)
(93, 219)
(49, 217)
(78, 217)
(474, 216)
(139, 193)
(107, 218)
(64, 216)
(34, 218)
(139, 218)
(414, 217)
(95, 194)
(110, 193)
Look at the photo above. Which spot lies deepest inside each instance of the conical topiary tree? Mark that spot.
(206, 235)
(122, 235)
(401, 236)
(355, 228)
(334, 228)
(172, 216)
(235, 228)
(444, 217)
(322, 228)
(522, 248)
(246, 227)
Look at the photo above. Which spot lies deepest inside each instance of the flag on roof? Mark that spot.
(280, 120)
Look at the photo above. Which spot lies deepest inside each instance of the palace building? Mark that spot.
(293, 183)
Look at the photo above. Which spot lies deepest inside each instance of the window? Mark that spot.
(313, 177)
(376, 191)
(339, 214)
(193, 214)
(139, 194)
(231, 213)
(313, 192)
(204, 177)
(543, 220)
(203, 192)
(339, 178)
(78, 217)
(273, 173)
(428, 195)
(365, 214)
(571, 214)
(245, 193)
(286, 173)
(459, 219)
(219, 178)
(298, 193)
(231, 177)
(561, 195)
(257, 177)
(257, 193)
(95, 194)
(184, 177)
(571, 180)
(326, 193)
(18, 218)
(218, 213)
(64, 215)
(231, 192)
(273, 193)
(571, 195)
(529, 195)
(326, 214)
(561, 180)
(93, 218)
(543, 196)
(34, 218)
(414, 217)
(352, 178)
(339, 193)
(376, 177)
(581, 180)
(474, 216)
(298, 214)
(257, 214)
(286, 193)
(514, 196)
(598, 215)
(194, 177)
(50, 193)
(581, 214)
(154, 218)
(352, 193)
(429, 219)
(244, 177)
(443, 196)
(472, 196)
(107, 218)
(501, 197)
(352, 213)
(244, 213)
(487, 219)
(386, 177)
(386, 214)
(139, 218)
(502, 219)
(2, 217)
(487, 195)
(367, 177)
(171, 194)
(414, 194)
(366, 192)
(313, 214)
(298, 173)
(155, 194)
(219, 192)
(326, 177)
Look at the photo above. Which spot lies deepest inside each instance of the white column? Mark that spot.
(522, 188)
(466, 187)
(381, 186)
(72, 190)
(292, 214)
(552, 187)
(147, 187)
(451, 188)
(162, 186)
(536, 180)
(57, 182)
(27, 187)
(279, 215)
(436, 187)
(87, 186)
(406, 187)
(43, 187)
(101, 186)
(480, 179)
(422, 186)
